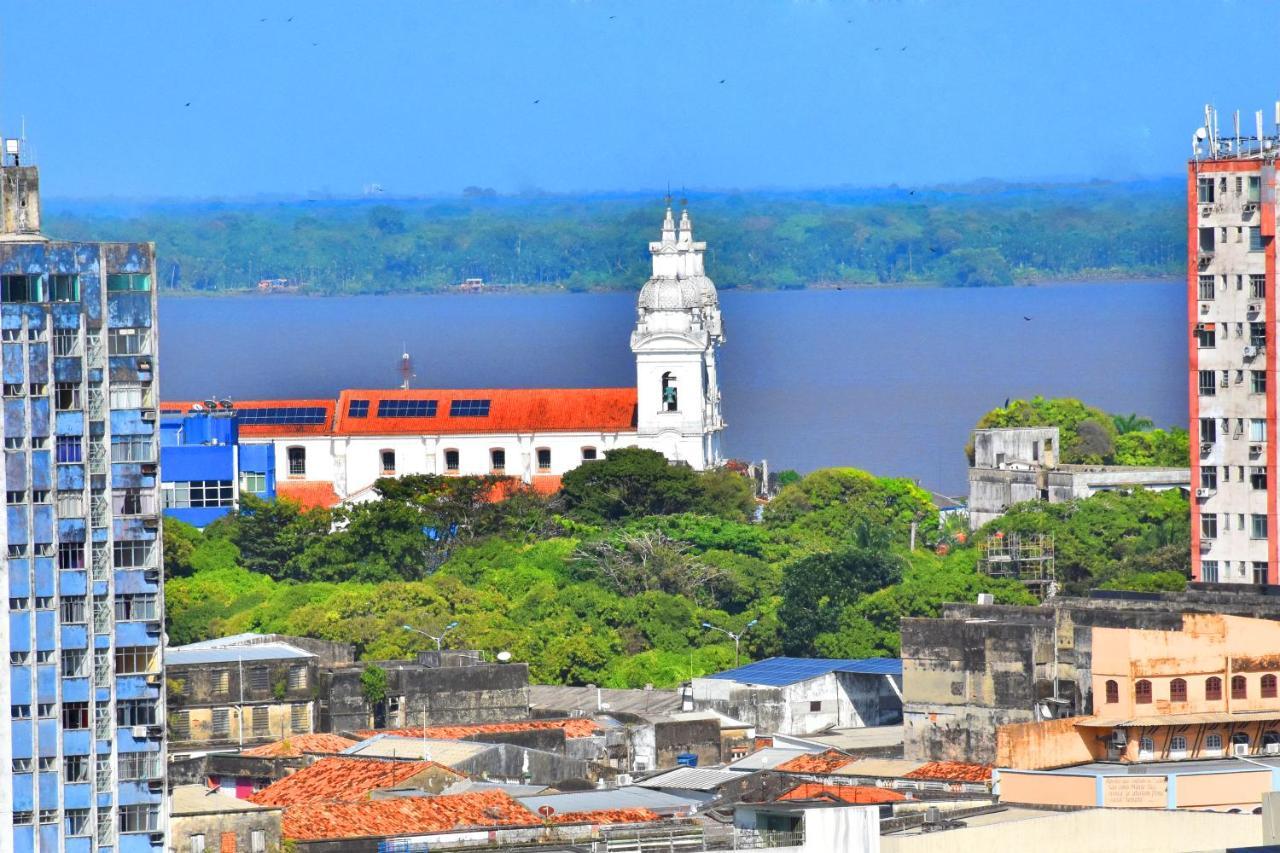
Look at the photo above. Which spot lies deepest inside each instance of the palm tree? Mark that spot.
(1131, 423)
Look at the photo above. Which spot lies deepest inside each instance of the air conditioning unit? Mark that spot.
(154, 626)
(149, 469)
(148, 414)
(1250, 351)
(1254, 307)
(1118, 739)
(1255, 450)
(138, 732)
(1204, 493)
(1239, 749)
(144, 364)
(153, 678)
(155, 731)
(151, 575)
(1207, 210)
(1250, 206)
(1204, 307)
(1206, 447)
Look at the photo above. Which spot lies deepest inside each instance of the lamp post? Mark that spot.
(737, 638)
(440, 639)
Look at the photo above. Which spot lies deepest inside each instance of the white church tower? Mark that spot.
(678, 328)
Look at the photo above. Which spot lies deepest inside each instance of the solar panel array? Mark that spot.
(406, 408)
(469, 409)
(781, 671)
(291, 415)
(358, 409)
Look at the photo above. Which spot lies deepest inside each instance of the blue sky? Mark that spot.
(428, 97)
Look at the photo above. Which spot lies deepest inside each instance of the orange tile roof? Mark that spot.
(311, 494)
(510, 410)
(404, 816)
(862, 795)
(826, 762)
(607, 816)
(333, 780)
(267, 430)
(952, 771)
(543, 484)
(299, 745)
(576, 727)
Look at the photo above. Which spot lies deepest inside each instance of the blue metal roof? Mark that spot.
(779, 672)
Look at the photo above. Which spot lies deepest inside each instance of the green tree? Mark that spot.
(630, 483)
(1087, 434)
(179, 542)
(973, 267)
(827, 506)
(373, 684)
(269, 534)
(816, 588)
(1131, 423)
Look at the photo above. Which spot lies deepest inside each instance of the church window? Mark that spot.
(388, 462)
(670, 402)
(451, 461)
(297, 461)
(544, 458)
(498, 460)
(588, 454)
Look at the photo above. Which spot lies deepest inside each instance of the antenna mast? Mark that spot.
(406, 368)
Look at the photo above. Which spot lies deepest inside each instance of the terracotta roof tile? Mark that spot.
(299, 745)
(952, 771)
(510, 410)
(826, 762)
(311, 494)
(404, 816)
(576, 727)
(863, 795)
(268, 430)
(607, 817)
(332, 780)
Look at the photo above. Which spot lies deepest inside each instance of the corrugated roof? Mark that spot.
(509, 410)
(781, 671)
(299, 745)
(187, 655)
(333, 780)
(309, 494)
(576, 727)
(554, 697)
(862, 795)
(691, 778)
(631, 796)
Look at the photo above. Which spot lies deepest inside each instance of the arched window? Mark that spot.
(388, 462)
(1178, 690)
(669, 395)
(451, 461)
(1213, 689)
(1213, 741)
(1178, 744)
(1113, 692)
(1142, 692)
(497, 460)
(544, 458)
(297, 461)
(1239, 687)
(589, 454)
(1268, 686)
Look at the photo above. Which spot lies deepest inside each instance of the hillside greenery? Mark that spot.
(610, 581)
(972, 236)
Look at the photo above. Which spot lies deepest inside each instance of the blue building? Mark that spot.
(204, 467)
(82, 706)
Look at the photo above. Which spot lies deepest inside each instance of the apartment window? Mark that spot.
(75, 768)
(1178, 744)
(15, 497)
(1257, 334)
(132, 554)
(66, 288)
(1258, 526)
(544, 459)
(253, 481)
(139, 765)
(137, 607)
(1206, 338)
(297, 677)
(195, 843)
(1209, 477)
(22, 818)
(1208, 383)
(132, 448)
(1268, 686)
(1260, 572)
(134, 660)
(299, 719)
(1257, 286)
(589, 454)
(1209, 526)
(126, 395)
(221, 722)
(73, 609)
(1255, 238)
(1206, 287)
(180, 726)
(44, 655)
(200, 494)
(20, 712)
(128, 283)
(132, 502)
(136, 712)
(49, 815)
(68, 448)
(297, 461)
(1142, 692)
(1204, 191)
(1213, 741)
(13, 389)
(67, 396)
(75, 715)
(1178, 690)
(257, 841)
(222, 682)
(75, 663)
(1209, 571)
(1206, 240)
(127, 342)
(1257, 429)
(1112, 692)
(1146, 747)
(44, 602)
(1258, 477)
(1239, 687)
(139, 818)
(19, 658)
(70, 554)
(1258, 381)
(14, 442)
(44, 710)
(19, 602)
(261, 718)
(259, 678)
(498, 460)
(21, 288)
(388, 462)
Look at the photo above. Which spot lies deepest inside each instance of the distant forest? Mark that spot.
(975, 235)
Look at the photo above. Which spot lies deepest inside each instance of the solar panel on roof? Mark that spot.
(779, 672)
(469, 409)
(358, 409)
(406, 408)
(291, 415)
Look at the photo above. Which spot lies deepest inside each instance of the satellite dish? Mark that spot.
(1201, 133)
(504, 656)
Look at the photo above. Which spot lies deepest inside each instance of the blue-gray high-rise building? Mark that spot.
(82, 704)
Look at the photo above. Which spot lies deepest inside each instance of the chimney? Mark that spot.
(19, 194)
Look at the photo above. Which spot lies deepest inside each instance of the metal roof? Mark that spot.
(630, 797)
(779, 672)
(188, 655)
(769, 758)
(569, 700)
(691, 778)
(446, 752)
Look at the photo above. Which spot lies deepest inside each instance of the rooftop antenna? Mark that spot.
(1239, 148)
(406, 367)
(1257, 117)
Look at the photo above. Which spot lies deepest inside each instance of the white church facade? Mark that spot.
(332, 451)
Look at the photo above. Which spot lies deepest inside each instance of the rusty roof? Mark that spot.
(575, 727)
(299, 745)
(952, 771)
(864, 795)
(824, 762)
(342, 779)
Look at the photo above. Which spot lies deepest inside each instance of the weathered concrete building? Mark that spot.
(800, 696)
(978, 667)
(1021, 464)
(203, 819)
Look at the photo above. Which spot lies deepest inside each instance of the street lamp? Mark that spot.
(439, 639)
(737, 638)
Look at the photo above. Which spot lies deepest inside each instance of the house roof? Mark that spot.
(575, 727)
(341, 779)
(781, 671)
(447, 752)
(852, 794)
(202, 653)
(299, 745)
(310, 494)
(766, 759)
(201, 799)
(691, 778)
(507, 410)
(562, 699)
(952, 771)
(824, 762)
(628, 797)
(271, 418)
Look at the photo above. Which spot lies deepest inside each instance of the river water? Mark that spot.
(889, 380)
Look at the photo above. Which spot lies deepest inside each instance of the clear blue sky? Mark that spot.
(428, 97)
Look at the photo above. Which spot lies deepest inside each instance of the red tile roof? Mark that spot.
(607, 817)
(576, 727)
(826, 762)
(332, 780)
(862, 795)
(510, 410)
(952, 771)
(299, 745)
(404, 816)
(267, 430)
(311, 494)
